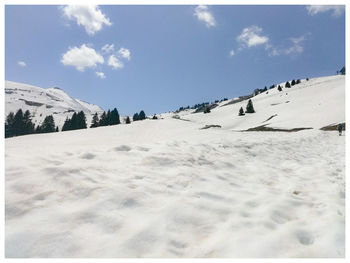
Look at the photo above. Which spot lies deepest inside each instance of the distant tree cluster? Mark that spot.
(292, 83)
(207, 110)
(258, 91)
(76, 122)
(106, 119)
(139, 116)
(200, 105)
(249, 108)
(21, 124)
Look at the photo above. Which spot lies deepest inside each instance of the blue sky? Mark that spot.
(158, 58)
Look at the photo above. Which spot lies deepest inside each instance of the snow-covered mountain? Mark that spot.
(169, 188)
(42, 102)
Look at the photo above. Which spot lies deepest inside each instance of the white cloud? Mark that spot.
(81, 58)
(88, 16)
(232, 53)
(337, 10)
(114, 62)
(295, 48)
(108, 48)
(21, 63)
(100, 74)
(124, 53)
(203, 14)
(251, 36)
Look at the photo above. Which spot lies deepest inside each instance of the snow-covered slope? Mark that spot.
(315, 103)
(167, 188)
(42, 102)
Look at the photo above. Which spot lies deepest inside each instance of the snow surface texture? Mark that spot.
(166, 188)
(43, 102)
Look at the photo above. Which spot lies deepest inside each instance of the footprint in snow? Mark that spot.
(88, 156)
(122, 148)
(305, 238)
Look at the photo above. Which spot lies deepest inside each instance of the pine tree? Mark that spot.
(241, 112)
(38, 129)
(298, 81)
(135, 117)
(142, 115)
(103, 119)
(81, 120)
(155, 117)
(293, 82)
(206, 110)
(27, 122)
(9, 132)
(114, 117)
(67, 125)
(48, 124)
(127, 120)
(74, 121)
(250, 107)
(108, 118)
(342, 71)
(279, 88)
(18, 124)
(287, 85)
(95, 121)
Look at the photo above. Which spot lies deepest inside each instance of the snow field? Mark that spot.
(165, 188)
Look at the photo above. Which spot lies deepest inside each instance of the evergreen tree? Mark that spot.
(108, 118)
(342, 71)
(307, 79)
(38, 129)
(155, 117)
(127, 120)
(279, 88)
(9, 132)
(135, 117)
(67, 125)
(241, 112)
(27, 122)
(74, 122)
(48, 124)
(142, 115)
(287, 85)
(298, 81)
(18, 124)
(81, 120)
(95, 121)
(103, 119)
(293, 82)
(114, 117)
(206, 110)
(250, 108)
(57, 130)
